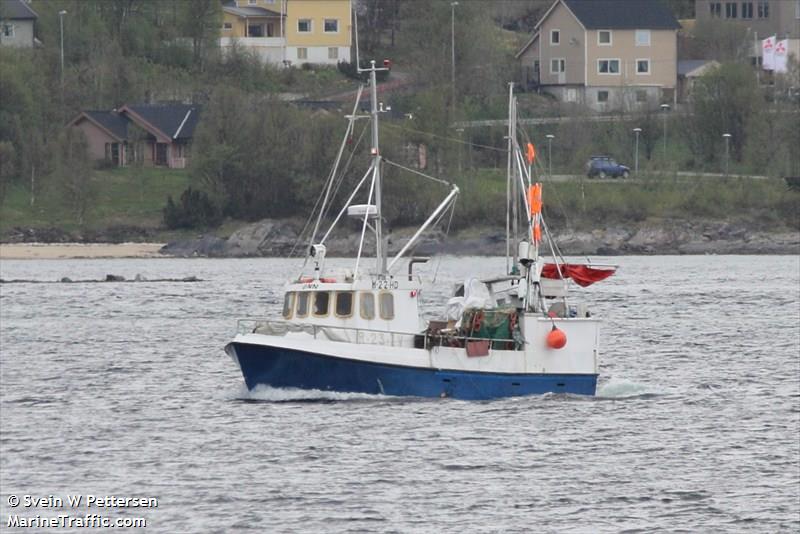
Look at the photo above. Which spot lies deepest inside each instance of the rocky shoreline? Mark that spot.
(278, 238)
(274, 238)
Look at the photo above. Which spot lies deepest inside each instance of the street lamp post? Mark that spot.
(665, 110)
(61, 25)
(550, 138)
(727, 138)
(453, 51)
(636, 131)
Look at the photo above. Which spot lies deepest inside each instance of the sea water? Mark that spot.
(122, 390)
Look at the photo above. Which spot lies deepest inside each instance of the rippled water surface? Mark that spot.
(123, 389)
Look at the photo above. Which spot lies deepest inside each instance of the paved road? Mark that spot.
(682, 175)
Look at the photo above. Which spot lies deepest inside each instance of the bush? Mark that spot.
(194, 211)
(349, 70)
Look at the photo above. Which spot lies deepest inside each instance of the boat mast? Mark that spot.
(380, 254)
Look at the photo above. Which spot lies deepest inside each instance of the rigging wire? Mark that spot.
(445, 138)
(446, 234)
(439, 180)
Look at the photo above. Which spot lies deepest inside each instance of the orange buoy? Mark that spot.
(556, 339)
(535, 199)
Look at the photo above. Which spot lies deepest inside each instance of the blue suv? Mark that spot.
(605, 166)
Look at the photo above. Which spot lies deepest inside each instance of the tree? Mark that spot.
(73, 171)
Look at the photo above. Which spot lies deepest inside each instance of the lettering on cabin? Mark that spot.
(311, 285)
(385, 284)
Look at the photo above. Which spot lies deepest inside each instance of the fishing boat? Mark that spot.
(518, 333)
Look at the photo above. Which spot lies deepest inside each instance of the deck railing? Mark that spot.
(363, 336)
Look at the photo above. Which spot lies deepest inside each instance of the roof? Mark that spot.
(688, 66)
(527, 44)
(170, 120)
(111, 121)
(250, 11)
(16, 9)
(623, 14)
(176, 121)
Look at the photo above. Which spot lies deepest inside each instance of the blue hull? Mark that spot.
(288, 368)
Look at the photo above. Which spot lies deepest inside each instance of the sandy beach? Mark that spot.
(58, 251)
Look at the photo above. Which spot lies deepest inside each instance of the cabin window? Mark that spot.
(386, 304)
(322, 300)
(367, 306)
(344, 304)
(288, 305)
(302, 304)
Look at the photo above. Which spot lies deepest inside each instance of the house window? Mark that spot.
(763, 9)
(604, 37)
(322, 300)
(344, 304)
(642, 37)
(331, 26)
(555, 37)
(227, 26)
(366, 306)
(255, 30)
(730, 10)
(8, 30)
(386, 305)
(252, 2)
(608, 66)
(747, 10)
(716, 9)
(302, 304)
(288, 305)
(302, 53)
(304, 26)
(641, 96)
(557, 66)
(333, 53)
(602, 96)
(642, 66)
(161, 154)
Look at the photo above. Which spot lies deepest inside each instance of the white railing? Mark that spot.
(363, 336)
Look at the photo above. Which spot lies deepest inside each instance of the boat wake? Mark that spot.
(621, 388)
(263, 393)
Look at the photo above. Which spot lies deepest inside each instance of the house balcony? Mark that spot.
(253, 42)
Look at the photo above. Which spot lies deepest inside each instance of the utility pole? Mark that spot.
(727, 138)
(665, 110)
(453, 51)
(61, 25)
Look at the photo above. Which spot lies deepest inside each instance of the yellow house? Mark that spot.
(291, 32)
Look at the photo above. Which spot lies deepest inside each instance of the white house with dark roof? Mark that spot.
(605, 54)
(17, 21)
